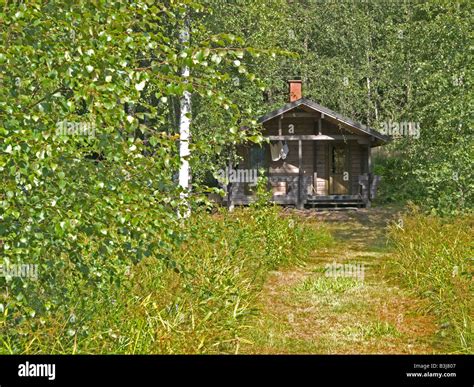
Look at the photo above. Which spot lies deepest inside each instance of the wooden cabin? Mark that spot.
(315, 157)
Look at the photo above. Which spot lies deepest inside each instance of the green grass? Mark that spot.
(373, 330)
(201, 300)
(434, 258)
(325, 285)
(380, 329)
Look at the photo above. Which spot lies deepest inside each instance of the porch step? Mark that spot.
(352, 202)
(323, 198)
(335, 201)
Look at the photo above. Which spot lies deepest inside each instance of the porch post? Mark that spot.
(369, 159)
(369, 168)
(300, 175)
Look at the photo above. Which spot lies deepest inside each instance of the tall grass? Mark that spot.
(198, 301)
(435, 258)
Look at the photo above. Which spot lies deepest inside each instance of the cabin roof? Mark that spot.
(356, 126)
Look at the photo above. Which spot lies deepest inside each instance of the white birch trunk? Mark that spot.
(184, 131)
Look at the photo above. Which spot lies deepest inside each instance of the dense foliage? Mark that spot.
(89, 111)
(88, 140)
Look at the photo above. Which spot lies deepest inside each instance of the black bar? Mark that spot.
(307, 370)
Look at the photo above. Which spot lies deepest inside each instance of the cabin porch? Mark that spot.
(316, 173)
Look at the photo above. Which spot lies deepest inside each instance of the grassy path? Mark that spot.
(305, 311)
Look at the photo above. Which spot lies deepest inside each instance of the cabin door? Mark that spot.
(338, 169)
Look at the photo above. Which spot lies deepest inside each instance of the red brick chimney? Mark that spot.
(295, 89)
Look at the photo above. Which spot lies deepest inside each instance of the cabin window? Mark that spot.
(257, 157)
(338, 160)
